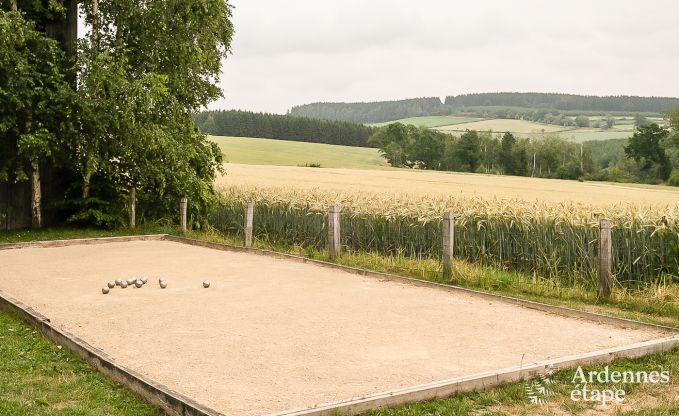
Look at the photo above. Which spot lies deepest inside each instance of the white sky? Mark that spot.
(299, 51)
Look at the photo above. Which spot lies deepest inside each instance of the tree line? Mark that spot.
(546, 108)
(275, 126)
(375, 112)
(114, 117)
(481, 152)
(651, 155)
(566, 102)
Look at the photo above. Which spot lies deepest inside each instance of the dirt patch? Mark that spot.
(270, 334)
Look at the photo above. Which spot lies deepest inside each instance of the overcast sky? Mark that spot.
(294, 52)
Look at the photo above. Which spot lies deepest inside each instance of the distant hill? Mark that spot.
(375, 112)
(474, 104)
(567, 102)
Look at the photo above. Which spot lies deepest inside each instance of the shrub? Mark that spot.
(674, 178)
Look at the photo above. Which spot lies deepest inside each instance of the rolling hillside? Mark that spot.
(256, 151)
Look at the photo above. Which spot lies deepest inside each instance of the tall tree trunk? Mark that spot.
(95, 24)
(86, 185)
(13, 5)
(133, 207)
(87, 178)
(36, 196)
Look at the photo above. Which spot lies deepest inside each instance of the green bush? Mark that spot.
(612, 174)
(674, 178)
(570, 170)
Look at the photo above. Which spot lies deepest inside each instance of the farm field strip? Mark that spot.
(430, 121)
(429, 185)
(259, 151)
(502, 125)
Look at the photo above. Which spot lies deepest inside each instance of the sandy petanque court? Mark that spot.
(271, 334)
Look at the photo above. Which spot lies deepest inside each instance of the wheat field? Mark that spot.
(429, 184)
(544, 227)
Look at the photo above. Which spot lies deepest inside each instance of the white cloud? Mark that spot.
(300, 51)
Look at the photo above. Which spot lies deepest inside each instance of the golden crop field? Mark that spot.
(543, 226)
(431, 184)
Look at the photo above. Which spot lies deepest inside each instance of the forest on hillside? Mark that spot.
(531, 106)
(375, 112)
(275, 126)
(566, 102)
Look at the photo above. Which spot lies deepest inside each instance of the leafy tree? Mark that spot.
(428, 148)
(521, 157)
(646, 148)
(640, 120)
(34, 104)
(610, 121)
(468, 150)
(582, 121)
(147, 67)
(570, 170)
(395, 141)
(672, 118)
(507, 157)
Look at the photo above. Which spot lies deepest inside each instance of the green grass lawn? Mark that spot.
(39, 378)
(511, 399)
(430, 121)
(255, 151)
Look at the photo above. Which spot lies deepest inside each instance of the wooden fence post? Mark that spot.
(183, 205)
(249, 213)
(334, 245)
(605, 269)
(448, 233)
(132, 209)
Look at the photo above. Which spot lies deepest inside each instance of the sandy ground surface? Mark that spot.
(430, 183)
(271, 335)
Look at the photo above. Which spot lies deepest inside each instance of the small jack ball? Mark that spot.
(105, 290)
(206, 284)
(163, 284)
(123, 284)
(111, 285)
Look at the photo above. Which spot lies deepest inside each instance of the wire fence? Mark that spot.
(556, 250)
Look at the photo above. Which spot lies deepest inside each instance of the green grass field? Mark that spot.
(523, 128)
(588, 134)
(254, 151)
(502, 125)
(430, 121)
(458, 124)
